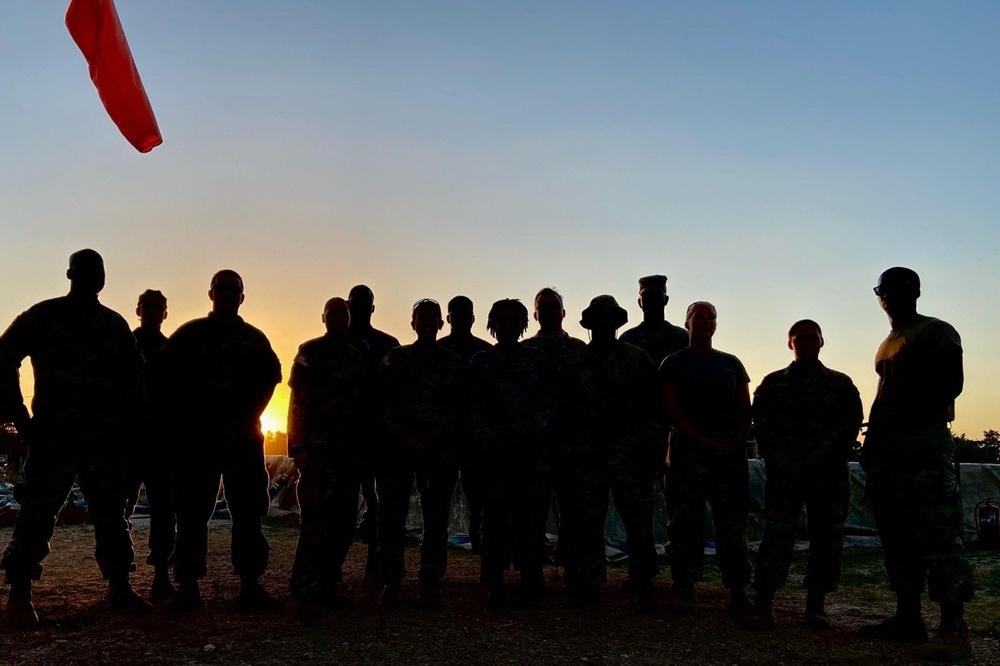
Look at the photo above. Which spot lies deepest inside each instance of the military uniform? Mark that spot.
(373, 345)
(156, 460)
(88, 396)
(512, 412)
(220, 374)
(659, 341)
(421, 392)
(908, 457)
(707, 387)
(329, 387)
(806, 421)
(472, 485)
(613, 448)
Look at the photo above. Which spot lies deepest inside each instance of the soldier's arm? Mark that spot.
(15, 346)
(947, 377)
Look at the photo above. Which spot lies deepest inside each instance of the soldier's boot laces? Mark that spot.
(951, 643)
(122, 596)
(906, 629)
(186, 598)
(253, 596)
(816, 617)
(161, 589)
(20, 612)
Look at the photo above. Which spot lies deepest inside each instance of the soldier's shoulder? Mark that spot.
(311, 346)
(838, 377)
(631, 334)
(384, 338)
(193, 327)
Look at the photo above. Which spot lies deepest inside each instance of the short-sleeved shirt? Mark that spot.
(903, 363)
(708, 389)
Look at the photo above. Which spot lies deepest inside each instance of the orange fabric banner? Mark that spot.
(96, 29)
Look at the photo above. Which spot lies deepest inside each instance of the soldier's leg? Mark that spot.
(197, 494)
(632, 489)
(436, 481)
(565, 492)
(162, 523)
(782, 508)
(472, 488)
(688, 487)
(528, 514)
(105, 486)
(730, 501)
(307, 566)
(591, 498)
(395, 486)
(245, 483)
(827, 498)
(496, 544)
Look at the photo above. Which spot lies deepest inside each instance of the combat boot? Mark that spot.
(685, 599)
(121, 596)
(20, 612)
(903, 628)
(951, 643)
(739, 605)
(532, 587)
(762, 616)
(186, 598)
(430, 596)
(645, 597)
(253, 596)
(586, 596)
(161, 589)
(389, 598)
(816, 617)
(496, 597)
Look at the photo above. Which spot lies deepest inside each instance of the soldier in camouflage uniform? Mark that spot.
(512, 403)
(219, 373)
(156, 460)
(329, 387)
(549, 312)
(421, 390)
(614, 401)
(88, 397)
(806, 419)
(373, 345)
(708, 401)
(466, 345)
(911, 481)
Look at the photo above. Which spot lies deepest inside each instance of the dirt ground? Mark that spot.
(78, 628)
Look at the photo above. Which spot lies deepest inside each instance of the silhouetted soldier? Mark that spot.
(806, 421)
(614, 402)
(421, 390)
(911, 481)
(157, 458)
(373, 345)
(512, 389)
(466, 345)
(708, 401)
(88, 399)
(220, 373)
(329, 386)
(559, 345)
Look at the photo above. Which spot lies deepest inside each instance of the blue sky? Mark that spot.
(771, 157)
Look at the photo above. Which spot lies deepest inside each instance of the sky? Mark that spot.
(770, 157)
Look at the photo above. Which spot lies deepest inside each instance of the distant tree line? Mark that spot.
(275, 443)
(985, 450)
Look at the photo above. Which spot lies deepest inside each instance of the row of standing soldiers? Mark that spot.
(518, 421)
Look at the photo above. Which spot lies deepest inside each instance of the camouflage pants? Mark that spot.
(515, 508)
(436, 475)
(240, 466)
(568, 512)
(155, 469)
(49, 473)
(824, 488)
(723, 481)
(328, 508)
(631, 485)
(473, 487)
(917, 503)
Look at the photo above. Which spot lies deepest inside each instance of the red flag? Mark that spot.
(95, 28)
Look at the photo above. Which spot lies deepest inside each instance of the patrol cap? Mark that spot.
(604, 306)
(657, 282)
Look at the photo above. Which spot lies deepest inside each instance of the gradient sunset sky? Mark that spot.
(770, 157)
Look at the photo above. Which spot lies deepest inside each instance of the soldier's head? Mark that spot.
(549, 311)
(603, 316)
(151, 308)
(700, 320)
(361, 301)
(226, 292)
(460, 315)
(85, 273)
(805, 339)
(426, 319)
(337, 317)
(653, 293)
(898, 289)
(508, 320)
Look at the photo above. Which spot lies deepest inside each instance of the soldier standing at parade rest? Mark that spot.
(156, 458)
(461, 341)
(910, 475)
(512, 403)
(373, 345)
(329, 386)
(219, 373)
(421, 390)
(613, 402)
(708, 402)
(806, 419)
(558, 344)
(88, 399)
